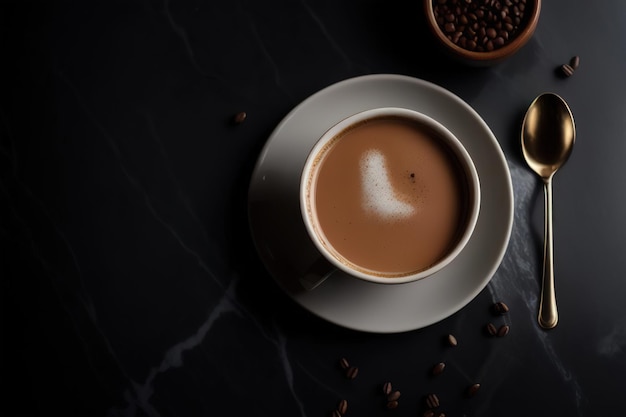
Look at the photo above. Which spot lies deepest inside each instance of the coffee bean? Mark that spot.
(429, 413)
(452, 340)
(574, 62)
(473, 389)
(467, 16)
(387, 388)
(432, 401)
(392, 405)
(503, 330)
(343, 362)
(500, 308)
(336, 413)
(491, 329)
(352, 372)
(342, 407)
(240, 117)
(441, 415)
(393, 396)
(438, 369)
(567, 70)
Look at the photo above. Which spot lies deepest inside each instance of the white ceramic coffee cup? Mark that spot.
(308, 187)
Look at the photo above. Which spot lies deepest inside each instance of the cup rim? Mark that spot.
(453, 142)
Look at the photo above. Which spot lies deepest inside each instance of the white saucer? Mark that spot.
(287, 253)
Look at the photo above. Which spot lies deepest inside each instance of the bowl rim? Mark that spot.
(520, 40)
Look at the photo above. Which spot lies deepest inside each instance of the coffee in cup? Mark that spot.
(389, 195)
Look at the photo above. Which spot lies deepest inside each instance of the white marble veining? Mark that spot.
(613, 343)
(140, 394)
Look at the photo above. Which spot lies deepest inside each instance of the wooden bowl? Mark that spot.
(456, 26)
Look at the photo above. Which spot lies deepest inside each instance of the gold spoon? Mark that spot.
(548, 135)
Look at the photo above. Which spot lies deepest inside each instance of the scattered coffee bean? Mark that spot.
(240, 117)
(432, 401)
(567, 70)
(491, 329)
(438, 369)
(429, 413)
(352, 372)
(503, 330)
(441, 415)
(392, 405)
(343, 362)
(393, 396)
(387, 388)
(473, 389)
(574, 62)
(480, 25)
(336, 413)
(452, 340)
(500, 308)
(342, 407)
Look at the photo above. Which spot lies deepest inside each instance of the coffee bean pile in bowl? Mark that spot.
(482, 32)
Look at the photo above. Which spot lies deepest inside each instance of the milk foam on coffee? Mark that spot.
(378, 195)
(389, 198)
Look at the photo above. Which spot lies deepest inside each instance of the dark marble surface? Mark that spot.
(130, 283)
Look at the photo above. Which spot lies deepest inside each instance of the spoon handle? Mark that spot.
(548, 315)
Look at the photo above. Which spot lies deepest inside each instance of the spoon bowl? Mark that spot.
(548, 136)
